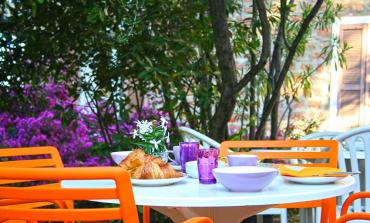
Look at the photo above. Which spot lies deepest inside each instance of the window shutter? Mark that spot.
(353, 78)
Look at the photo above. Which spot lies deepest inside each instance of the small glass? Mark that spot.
(188, 152)
(207, 161)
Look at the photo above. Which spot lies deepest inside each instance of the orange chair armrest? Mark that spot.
(351, 198)
(353, 216)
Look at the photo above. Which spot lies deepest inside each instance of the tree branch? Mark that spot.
(288, 62)
(266, 47)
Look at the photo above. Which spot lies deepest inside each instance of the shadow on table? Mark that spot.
(253, 219)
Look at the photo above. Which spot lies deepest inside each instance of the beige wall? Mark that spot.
(355, 7)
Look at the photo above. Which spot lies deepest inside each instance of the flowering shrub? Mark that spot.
(45, 130)
(41, 123)
(50, 117)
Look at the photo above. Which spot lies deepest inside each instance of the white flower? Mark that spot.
(164, 122)
(134, 134)
(138, 124)
(168, 138)
(144, 127)
(155, 143)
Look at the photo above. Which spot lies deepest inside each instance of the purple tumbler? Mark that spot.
(188, 152)
(207, 161)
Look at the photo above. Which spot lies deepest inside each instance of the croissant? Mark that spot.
(143, 166)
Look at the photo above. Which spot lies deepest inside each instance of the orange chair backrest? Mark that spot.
(123, 191)
(45, 156)
(330, 155)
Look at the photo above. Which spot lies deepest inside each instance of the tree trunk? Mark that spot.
(230, 87)
(252, 90)
(252, 109)
(284, 70)
(204, 109)
(226, 63)
(287, 128)
(274, 120)
(277, 69)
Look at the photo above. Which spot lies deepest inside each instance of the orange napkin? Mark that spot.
(298, 171)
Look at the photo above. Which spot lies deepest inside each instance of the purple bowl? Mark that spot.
(245, 178)
(242, 160)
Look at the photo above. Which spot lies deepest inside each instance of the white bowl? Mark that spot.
(119, 156)
(242, 159)
(245, 178)
(192, 168)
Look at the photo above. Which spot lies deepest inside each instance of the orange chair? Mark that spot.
(123, 191)
(329, 156)
(353, 216)
(45, 156)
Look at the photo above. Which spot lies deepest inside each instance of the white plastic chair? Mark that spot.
(189, 134)
(320, 135)
(306, 215)
(354, 147)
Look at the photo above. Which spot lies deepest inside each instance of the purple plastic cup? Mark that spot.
(188, 152)
(242, 160)
(207, 161)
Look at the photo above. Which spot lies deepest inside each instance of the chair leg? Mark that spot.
(146, 214)
(317, 215)
(328, 213)
(284, 216)
(259, 218)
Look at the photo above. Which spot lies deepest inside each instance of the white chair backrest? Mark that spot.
(356, 142)
(320, 135)
(313, 136)
(189, 134)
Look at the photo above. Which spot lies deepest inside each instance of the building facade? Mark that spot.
(340, 97)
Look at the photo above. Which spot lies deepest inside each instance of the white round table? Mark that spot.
(188, 198)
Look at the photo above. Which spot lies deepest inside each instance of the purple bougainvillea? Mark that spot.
(38, 123)
(43, 122)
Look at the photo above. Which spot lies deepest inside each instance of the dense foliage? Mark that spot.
(120, 54)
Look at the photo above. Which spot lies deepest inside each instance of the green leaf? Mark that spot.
(34, 9)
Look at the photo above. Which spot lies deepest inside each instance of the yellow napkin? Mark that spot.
(220, 158)
(298, 171)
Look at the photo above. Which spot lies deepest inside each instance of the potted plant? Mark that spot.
(152, 137)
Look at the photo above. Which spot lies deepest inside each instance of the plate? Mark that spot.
(312, 180)
(156, 182)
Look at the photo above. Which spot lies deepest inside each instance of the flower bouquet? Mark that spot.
(152, 137)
